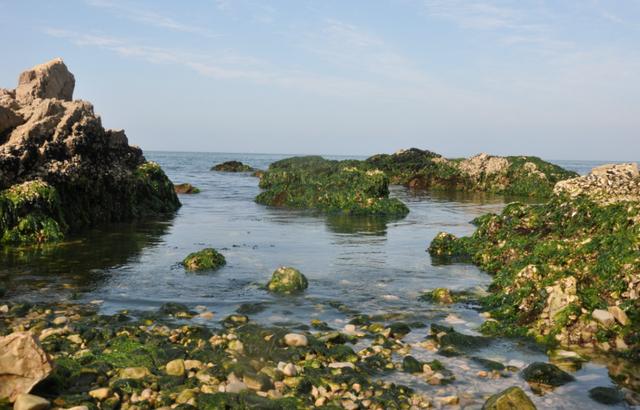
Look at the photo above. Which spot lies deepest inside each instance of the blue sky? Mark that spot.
(558, 79)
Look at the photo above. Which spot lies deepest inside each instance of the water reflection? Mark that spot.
(79, 264)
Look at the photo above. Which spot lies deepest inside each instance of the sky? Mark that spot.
(557, 79)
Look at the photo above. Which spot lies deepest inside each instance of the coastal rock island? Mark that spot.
(61, 170)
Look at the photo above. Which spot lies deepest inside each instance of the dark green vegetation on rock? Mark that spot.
(606, 395)
(232, 166)
(37, 212)
(564, 271)
(205, 259)
(329, 186)
(512, 398)
(61, 171)
(287, 280)
(546, 373)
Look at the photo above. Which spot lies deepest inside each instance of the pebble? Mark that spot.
(101, 393)
(449, 400)
(60, 320)
(295, 340)
(134, 373)
(175, 368)
(76, 339)
(341, 365)
(206, 315)
(30, 402)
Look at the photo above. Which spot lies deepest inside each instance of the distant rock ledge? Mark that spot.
(60, 170)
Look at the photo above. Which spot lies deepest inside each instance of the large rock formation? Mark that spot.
(23, 364)
(60, 169)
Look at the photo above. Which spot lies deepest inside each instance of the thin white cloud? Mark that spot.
(151, 18)
(226, 66)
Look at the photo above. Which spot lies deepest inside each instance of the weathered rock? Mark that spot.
(206, 259)
(23, 364)
(603, 317)
(605, 184)
(134, 373)
(101, 393)
(287, 280)
(546, 373)
(48, 80)
(619, 314)
(55, 152)
(30, 402)
(512, 398)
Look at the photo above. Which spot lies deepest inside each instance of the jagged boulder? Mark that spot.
(92, 175)
(23, 364)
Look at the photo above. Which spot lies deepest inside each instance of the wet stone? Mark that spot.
(606, 395)
(546, 373)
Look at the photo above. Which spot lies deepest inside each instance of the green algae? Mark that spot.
(31, 213)
(37, 212)
(573, 250)
(328, 186)
(287, 280)
(205, 259)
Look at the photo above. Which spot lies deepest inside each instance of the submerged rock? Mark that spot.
(512, 398)
(606, 395)
(232, 166)
(412, 365)
(287, 280)
(186, 188)
(546, 373)
(23, 364)
(60, 170)
(206, 259)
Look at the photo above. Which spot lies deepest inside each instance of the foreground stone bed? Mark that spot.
(566, 271)
(61, 171)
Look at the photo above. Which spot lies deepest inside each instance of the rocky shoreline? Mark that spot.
(565, 271)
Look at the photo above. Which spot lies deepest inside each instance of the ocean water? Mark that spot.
(354, 265)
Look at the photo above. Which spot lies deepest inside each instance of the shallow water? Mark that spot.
(354, 265)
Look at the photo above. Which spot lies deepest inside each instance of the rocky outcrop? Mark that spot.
(23, 364)
(56, 150)
(605, 184)
(566, 271)
(516, 175)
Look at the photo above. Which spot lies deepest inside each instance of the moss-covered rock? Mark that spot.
(287, 280)
(606, 395)
(31, 213)
(329, 186)
(547, 374)
(232, 166)
(555, 264)
(510, 399)
(205, 259)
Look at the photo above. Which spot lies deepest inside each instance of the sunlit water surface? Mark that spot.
(354, 265)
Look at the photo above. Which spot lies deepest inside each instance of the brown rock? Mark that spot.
(48, 80)
(23, 364)
(619, 315)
